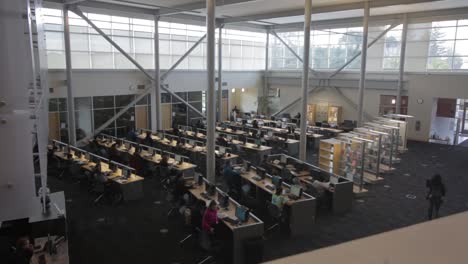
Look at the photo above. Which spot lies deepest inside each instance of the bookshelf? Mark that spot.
(330, 155)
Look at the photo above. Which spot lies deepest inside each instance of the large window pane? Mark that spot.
(103, 102)
(441, 48)
(143, 45)
(123, 100)
(54, 40)
(55, 59)
(98, 43)
(102, 60)
(103, 115)
(461, 48)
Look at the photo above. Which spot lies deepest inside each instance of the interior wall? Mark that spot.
(120, 82)
(246, 101)
(417, 86)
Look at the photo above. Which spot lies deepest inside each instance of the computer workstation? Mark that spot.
(237, 218)
(301, 206)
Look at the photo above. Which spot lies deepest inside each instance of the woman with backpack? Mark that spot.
(435, 194)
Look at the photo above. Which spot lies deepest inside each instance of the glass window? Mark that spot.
(165, 98)
(101, 116)
(144, 101)
(123, 100)
(103, 101)
(53, 105)
(182, 95)
(194, 96)
(62, 104)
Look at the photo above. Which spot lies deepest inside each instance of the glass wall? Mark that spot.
(242, 50)
(432, 46)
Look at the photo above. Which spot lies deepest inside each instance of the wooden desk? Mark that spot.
(238, 132)
(302, 211)
(252, 229)
(132, 188)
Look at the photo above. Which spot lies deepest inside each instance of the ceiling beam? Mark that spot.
(199, 5)
(323, 9)
(382, 19)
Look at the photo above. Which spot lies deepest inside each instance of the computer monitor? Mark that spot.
(223, 200)
(112, 166)
(210, 189)
(258, 142)
(242, 213)
(270, 133)
(191, 142)
(127, 145)
(160, 135)
(284, 159)
(66, 149)
(150, 151)
(247, 165)
(239, 119)
(125, 172)
(178, 158)
(261, 172)
(284, 125)
(277, 181)
(198, 179)
(87, 156)
(296, 190)
(229, 137)
(222, 150)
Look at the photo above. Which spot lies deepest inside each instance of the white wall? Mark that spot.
(417, 86)
(246, 101)
(117, 82)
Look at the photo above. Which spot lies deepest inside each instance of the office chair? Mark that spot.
(275, 213)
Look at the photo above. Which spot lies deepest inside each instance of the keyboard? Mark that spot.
(257, 178)
(232, 221)
(205, 195)
(270, 187)
(293, 197)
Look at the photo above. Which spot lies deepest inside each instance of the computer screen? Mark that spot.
(222, 150)
(150, 151)
(178, 158)
(65, 149)
(246, 165)
(239, 119)
(127, 145)
(242, 213)
(87, 157)
(261, 172)
(258, 142)
(125, 172)
(284, 125)
(191, 142)
(112, 166)
(277, 181)
(270, 133)
(296, 190)
(210, 189)
(284, 159)
(223, 199)
(229, 137)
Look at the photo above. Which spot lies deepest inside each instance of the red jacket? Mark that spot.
(210, 218)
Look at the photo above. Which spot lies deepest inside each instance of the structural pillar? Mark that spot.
(68, 65)
(156, 117)
(211, 96)
(362, 80)
(402, 63)
(305, 80)
(220, 69)
(267, 64)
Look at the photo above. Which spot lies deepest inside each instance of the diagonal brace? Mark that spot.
(77, 11)
(315, 73)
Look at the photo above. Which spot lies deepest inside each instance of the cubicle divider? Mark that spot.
(88, 156)
(343, 188)
(138, 146)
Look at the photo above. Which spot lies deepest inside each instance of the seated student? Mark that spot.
(99, 176)
(132, 136)
(114, 153)
(298, 116)
(24, 251)
(210, 218)
(148, 141)
(222, 141)
(255, 123)
(232, 178)
(164, 161)
(180, 189)
(278, 199)
(175, 130)
(137, 162)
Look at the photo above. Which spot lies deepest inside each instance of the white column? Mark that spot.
(402, 63)
(156, 117)
(211, 101)
(362, 80)
(305, 80)
(220, 70)
(68, 64)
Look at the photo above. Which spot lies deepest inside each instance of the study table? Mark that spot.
(251, 229)
(301, 211)
(185, 167)
(132, 187)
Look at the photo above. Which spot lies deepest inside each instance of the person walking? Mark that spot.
(435, 195)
